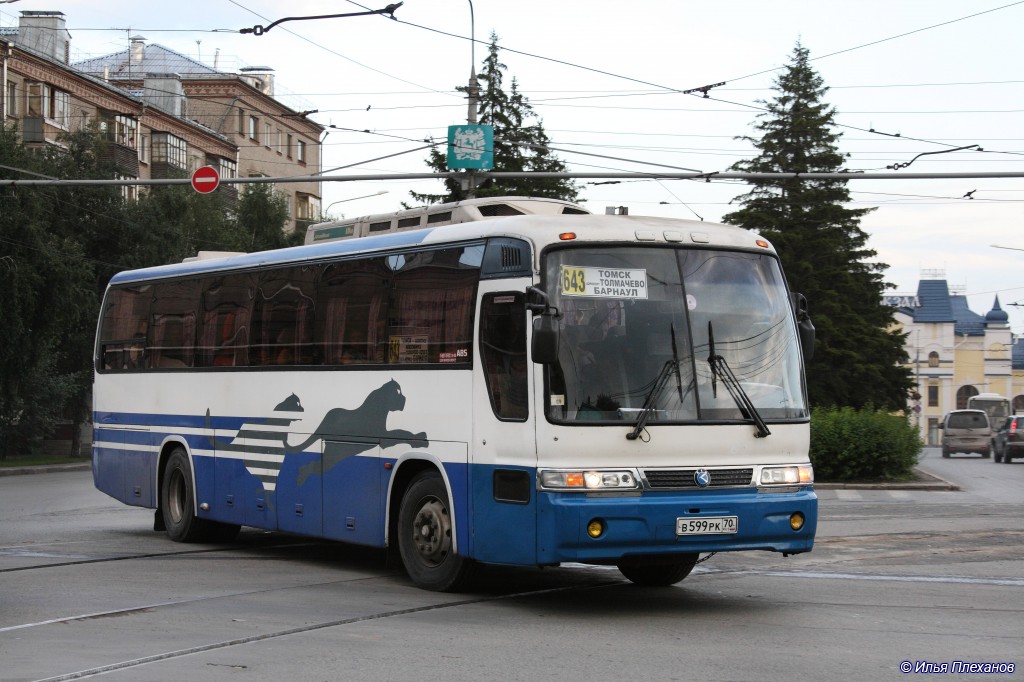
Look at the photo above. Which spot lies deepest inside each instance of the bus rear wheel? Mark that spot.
(659, 574)
(425, 536)
(177, 505)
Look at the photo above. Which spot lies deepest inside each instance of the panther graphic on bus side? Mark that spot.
(362, 428)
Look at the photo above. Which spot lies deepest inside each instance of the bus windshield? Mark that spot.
(671, 335)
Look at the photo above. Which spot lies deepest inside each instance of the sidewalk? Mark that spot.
(924, 480)
(45, 469)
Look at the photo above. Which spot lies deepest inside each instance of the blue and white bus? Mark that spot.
(525, 390)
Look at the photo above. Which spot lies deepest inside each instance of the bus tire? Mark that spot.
(177, 502)
(425, 536)
(659, 574)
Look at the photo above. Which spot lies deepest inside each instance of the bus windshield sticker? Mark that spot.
(407, 348)
(451, 357)
(604, 282)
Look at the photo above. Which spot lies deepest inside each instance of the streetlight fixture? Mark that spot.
(365, 196)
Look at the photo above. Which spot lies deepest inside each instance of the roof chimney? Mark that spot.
(138, 50)
(44, 32)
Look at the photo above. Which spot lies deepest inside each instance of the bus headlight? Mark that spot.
(802, 474)
(589, 480)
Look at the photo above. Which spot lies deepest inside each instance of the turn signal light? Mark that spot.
(567, 236)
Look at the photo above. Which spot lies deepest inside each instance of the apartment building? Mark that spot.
(165, 113)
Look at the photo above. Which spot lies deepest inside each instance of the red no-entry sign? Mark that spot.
(205, 179)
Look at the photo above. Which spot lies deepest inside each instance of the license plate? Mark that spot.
(707, 525)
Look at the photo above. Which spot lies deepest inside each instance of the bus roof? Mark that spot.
(541, 230)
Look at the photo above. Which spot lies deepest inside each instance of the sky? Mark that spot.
(906, 77)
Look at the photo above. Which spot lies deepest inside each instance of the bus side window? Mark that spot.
(172, 336)
(283, 317)
(503, 354)
(351, 305)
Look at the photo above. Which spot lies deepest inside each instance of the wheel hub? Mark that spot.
(432, 532)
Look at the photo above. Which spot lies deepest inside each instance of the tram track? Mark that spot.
(286, 632)
(31, 551)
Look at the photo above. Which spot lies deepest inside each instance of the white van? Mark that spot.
(966, 431)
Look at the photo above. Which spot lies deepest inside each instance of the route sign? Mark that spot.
(205, 179)
(471, 146)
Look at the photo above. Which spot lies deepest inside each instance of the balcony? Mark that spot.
(124, 159)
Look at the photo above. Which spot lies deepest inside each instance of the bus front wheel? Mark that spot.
(425, 536)
(659, 574)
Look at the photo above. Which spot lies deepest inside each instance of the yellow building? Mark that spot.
(955, 353)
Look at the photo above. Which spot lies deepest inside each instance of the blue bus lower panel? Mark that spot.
(646, 525)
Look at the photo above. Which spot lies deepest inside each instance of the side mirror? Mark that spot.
(544, 349)
(804, 325)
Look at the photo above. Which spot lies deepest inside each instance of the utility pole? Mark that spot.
(473, 91)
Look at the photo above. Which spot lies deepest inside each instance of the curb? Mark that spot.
(925, 481)
(44, 469)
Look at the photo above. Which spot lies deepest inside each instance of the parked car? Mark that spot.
(966, 431)
(1008, 439)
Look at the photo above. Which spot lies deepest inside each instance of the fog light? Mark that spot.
(595, 528)
(796, 520)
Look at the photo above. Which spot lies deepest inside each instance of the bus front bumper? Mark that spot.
(646, 524)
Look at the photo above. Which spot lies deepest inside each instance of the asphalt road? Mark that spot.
(919, 578)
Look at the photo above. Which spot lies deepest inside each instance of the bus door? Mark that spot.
(503, 454)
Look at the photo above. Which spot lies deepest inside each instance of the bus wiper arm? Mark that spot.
(719, 367)
(652, 397)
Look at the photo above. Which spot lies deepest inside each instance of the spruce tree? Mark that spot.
(520, 143)
(823, 249)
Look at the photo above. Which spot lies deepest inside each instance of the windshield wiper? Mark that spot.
(719, 367)
(670, 367)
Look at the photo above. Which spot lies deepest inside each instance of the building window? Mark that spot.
(144, 148)
(267, 134)
(45, 101)
(254, 128)
(241, 121)
(128, 192)
(962, 394)
(119, 129)
(933, 396)
(226, 168)
(171, 150)
(933, 359)
(288, 149)
(12, 99)
(300, 151)
(307, 206)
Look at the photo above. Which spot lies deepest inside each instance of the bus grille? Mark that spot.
(664, 479)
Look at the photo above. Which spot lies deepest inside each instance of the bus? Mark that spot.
(437, 215)
(994, 405)
(525, 390)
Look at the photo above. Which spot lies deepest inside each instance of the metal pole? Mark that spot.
(473, 90)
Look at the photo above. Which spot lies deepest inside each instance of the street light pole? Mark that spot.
(341, 201)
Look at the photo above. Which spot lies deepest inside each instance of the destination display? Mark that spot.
(604, 282)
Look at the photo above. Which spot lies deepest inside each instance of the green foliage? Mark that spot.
(862, 445)
(59, 246)
(858, 357)
(520, 143)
